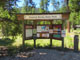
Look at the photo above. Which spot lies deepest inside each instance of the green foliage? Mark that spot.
(75, 11)
(42, 6)
(63, 9)
(12, 27)
(74, 5)
(74, 18)
(4, 13)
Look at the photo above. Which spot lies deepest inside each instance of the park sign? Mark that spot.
(43, 16)
(43, 31)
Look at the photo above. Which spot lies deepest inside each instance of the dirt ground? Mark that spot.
(44, 54)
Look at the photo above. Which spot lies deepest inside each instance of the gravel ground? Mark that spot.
(44, 54)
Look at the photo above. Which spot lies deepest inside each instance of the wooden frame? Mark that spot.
(20, 16)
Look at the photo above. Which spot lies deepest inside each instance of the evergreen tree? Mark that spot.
(75, 11)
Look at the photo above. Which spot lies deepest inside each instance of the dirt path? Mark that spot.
(45, 54)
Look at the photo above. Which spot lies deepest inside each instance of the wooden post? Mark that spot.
(68, 25)
(23, 33)
(63, 37)
(34, 43)
(50, 42)
(51, 23)
(62, 43)
(34, 37)
(76, 40)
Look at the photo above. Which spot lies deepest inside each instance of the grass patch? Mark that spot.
(68, 42)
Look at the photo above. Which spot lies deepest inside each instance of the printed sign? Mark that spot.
(28, 33)
(51, 31)
(57, 31)
(42, 28)
(44, 35)
(63, 33)
(41, 17)
(43, 31)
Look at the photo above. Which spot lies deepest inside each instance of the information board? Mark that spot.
(43, 31)
(57, 31)
(28, 32)
(41, 17)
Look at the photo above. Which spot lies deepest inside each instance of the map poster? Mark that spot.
(42, 28)
(43, 31)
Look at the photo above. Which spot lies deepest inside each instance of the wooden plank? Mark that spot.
(65, 16)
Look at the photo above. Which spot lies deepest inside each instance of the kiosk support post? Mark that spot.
(51, 22)
(50, 42)
(23, 33)
(63, 37)
(76, 42)
(34, 43)
(34, 37)
(62, 43)
(68, 26)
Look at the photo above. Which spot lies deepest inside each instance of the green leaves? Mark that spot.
(75, 17)
(75, 11)
(74, 5)
(4, 13)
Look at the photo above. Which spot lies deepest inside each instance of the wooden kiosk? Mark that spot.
(43, 31)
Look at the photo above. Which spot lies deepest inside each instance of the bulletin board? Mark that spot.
(28, 31)
(35, 31)
(43, 31)
(57, 29)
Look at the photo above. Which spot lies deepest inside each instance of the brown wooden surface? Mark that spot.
(20, 16)
(68, 25)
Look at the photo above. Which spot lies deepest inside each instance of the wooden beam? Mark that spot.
(64, 16)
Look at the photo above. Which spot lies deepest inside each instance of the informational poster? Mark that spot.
(57, 31)
(44, 35)
(50, 31)
(43, 31)
(42, 28)
(43, 16)
(28, 31)
(63, 33)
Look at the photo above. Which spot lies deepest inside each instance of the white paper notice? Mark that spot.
(51, 31)
(38, 35)
(28, 32)
(39, 29)
(63, 33)
(47, 35)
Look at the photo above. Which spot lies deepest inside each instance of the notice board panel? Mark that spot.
(28, 31)
(43, 31)
(57, 31)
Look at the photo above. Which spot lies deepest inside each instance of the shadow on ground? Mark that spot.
(6, 42)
